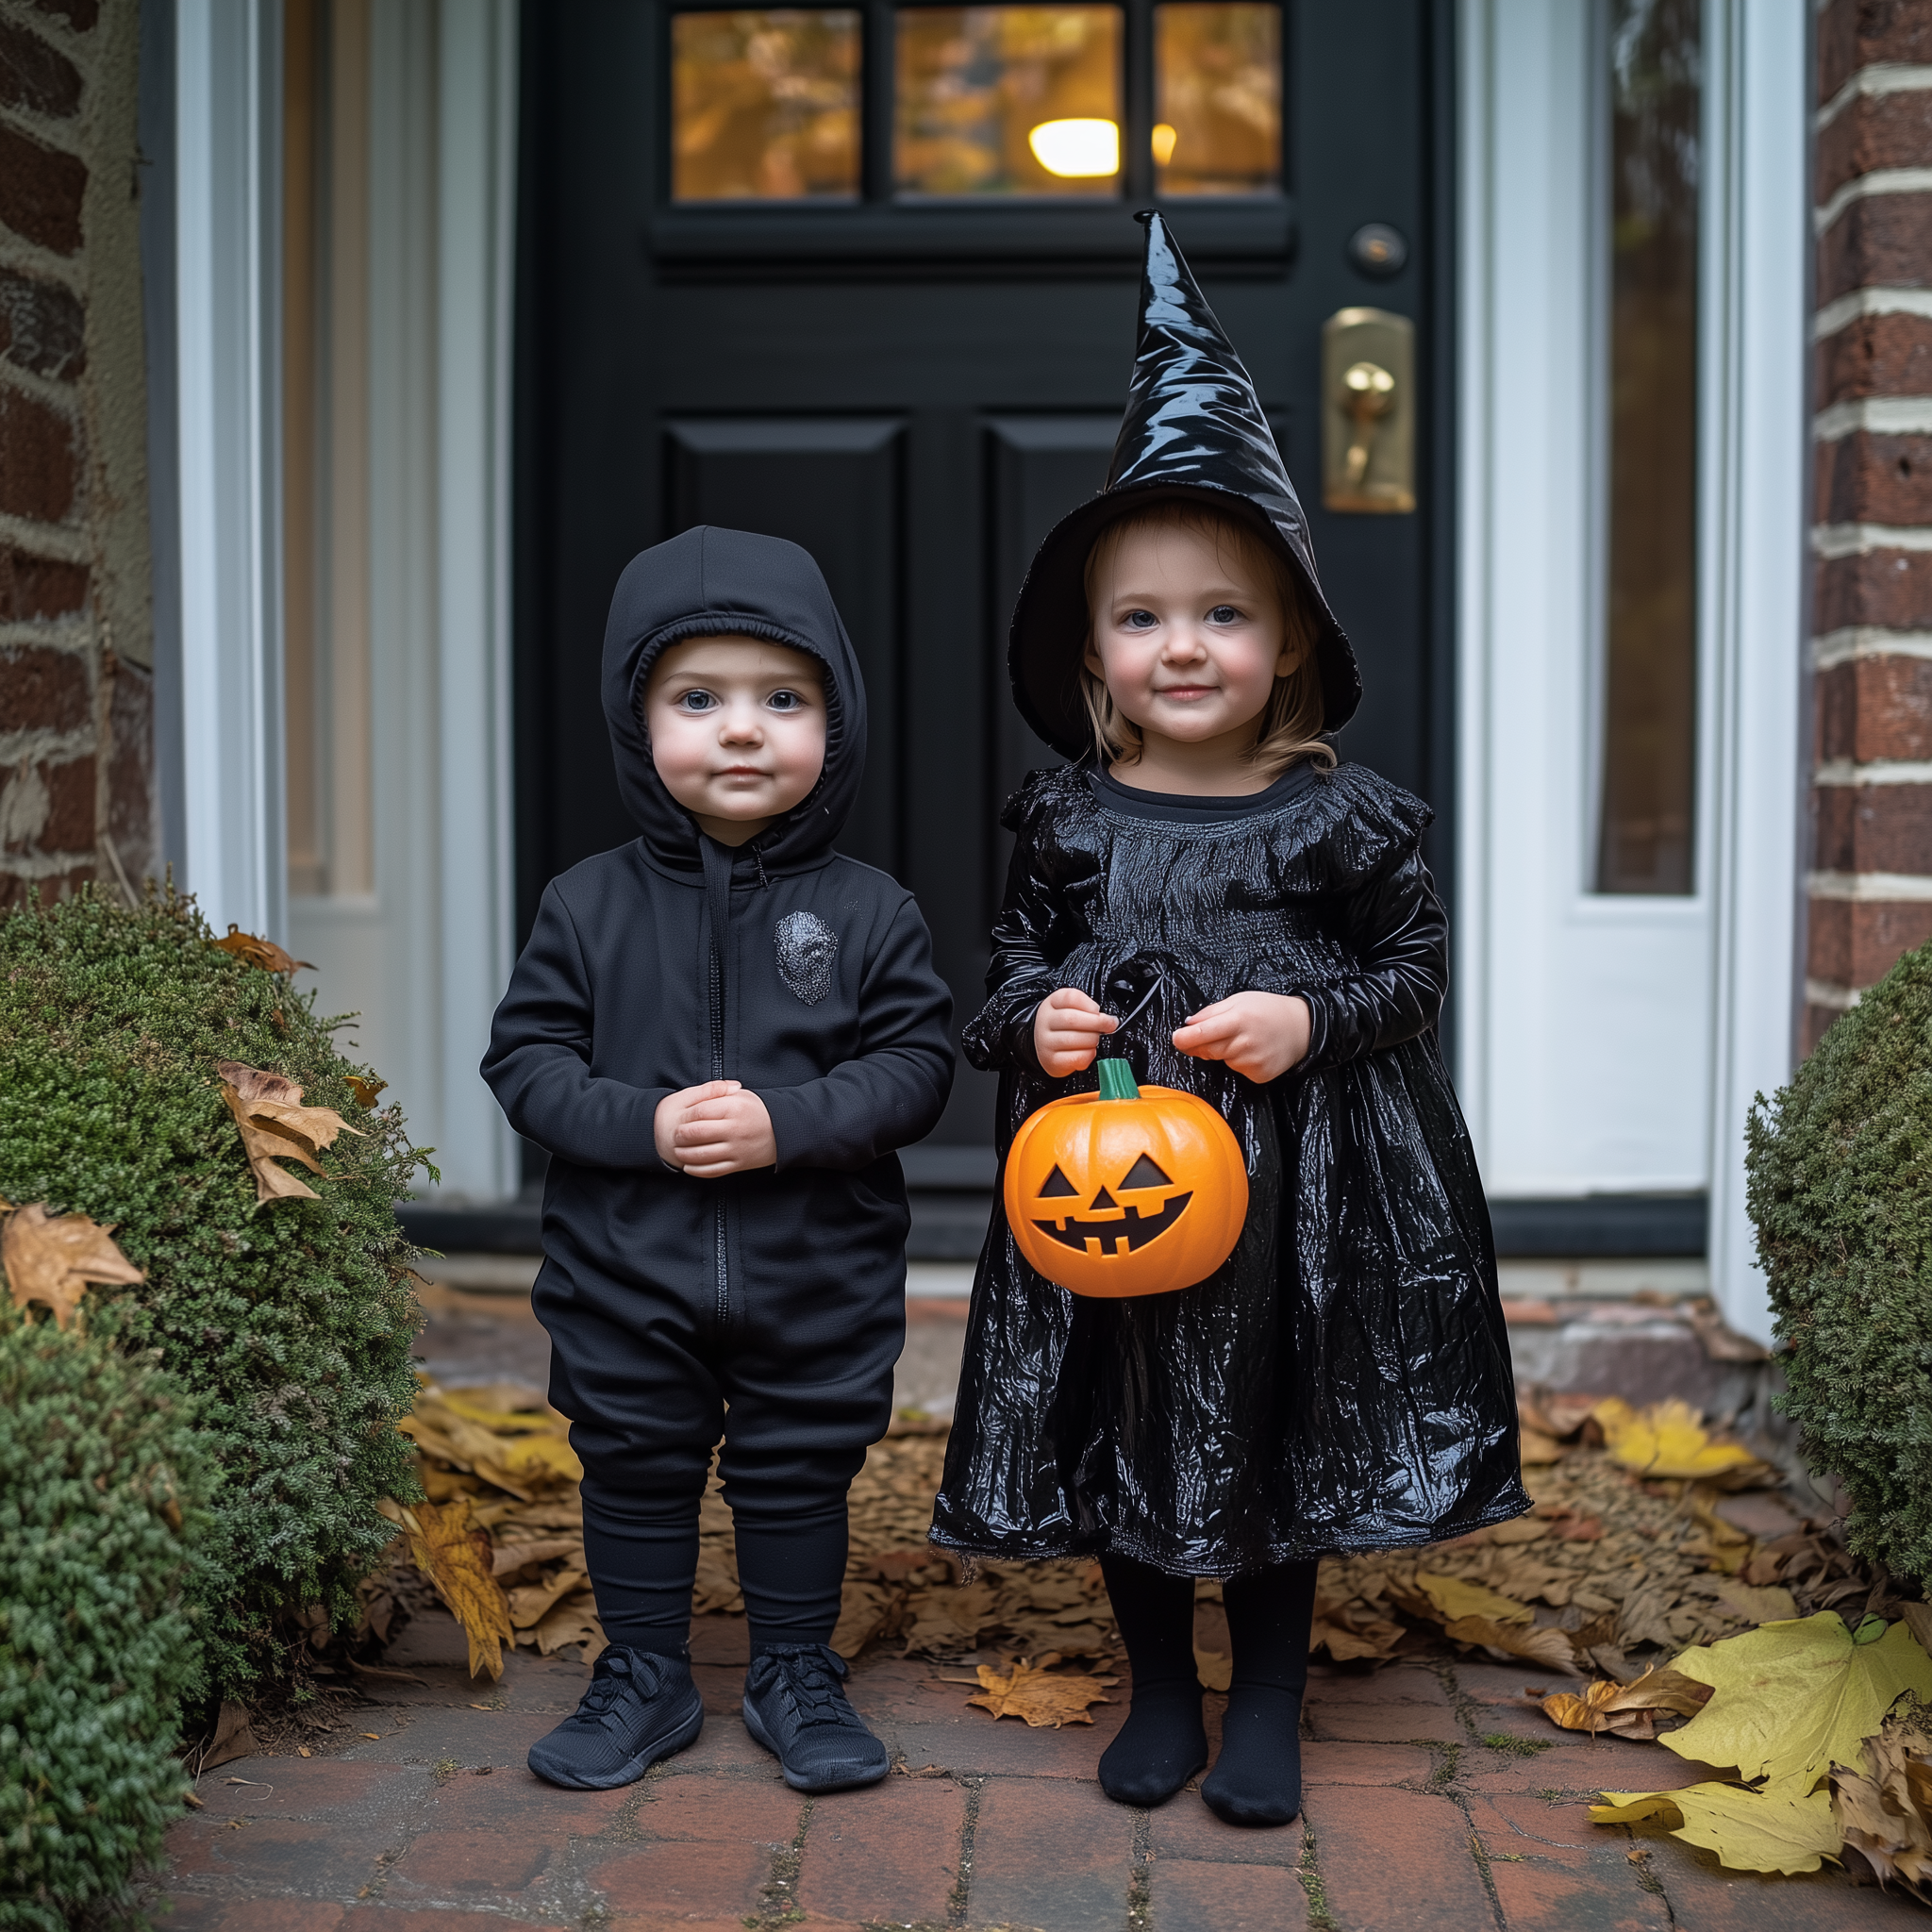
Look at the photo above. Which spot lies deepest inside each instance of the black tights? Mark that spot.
(642, 1556)
(1258, 1780)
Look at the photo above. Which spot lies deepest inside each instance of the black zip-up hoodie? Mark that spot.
(674, 960)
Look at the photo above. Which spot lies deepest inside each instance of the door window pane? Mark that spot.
(764, 106)
(1217, 99)
(1650, 620)
(1007, 101)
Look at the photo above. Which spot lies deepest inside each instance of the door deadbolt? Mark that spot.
(1367, 412)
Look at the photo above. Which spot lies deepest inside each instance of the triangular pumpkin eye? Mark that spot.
(1103, 1199)
(1143, 1173)
(1056, 1183)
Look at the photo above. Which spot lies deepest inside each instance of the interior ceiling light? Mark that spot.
(1076, 150)
(1164, 139)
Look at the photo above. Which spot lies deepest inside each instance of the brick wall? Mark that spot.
(75, 646)
(1870, 884)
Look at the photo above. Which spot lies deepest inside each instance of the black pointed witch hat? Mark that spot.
(1193, 429)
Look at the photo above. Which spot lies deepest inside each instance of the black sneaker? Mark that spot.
(795, 1706)
(639, 1707)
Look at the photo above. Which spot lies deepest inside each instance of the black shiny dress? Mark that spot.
(1343, 1381)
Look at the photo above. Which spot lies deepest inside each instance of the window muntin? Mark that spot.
(765, 106)
(1646, 826)
(1217, 99)
(1006, 101)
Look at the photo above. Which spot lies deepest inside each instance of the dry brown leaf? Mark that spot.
(1884, 1809)
(1627, 1709)
(1043, 1698)
(1539, 1450)
(1758, 1603)
(1213, 1667)
(571, 1621)
(52, 1258)
(1918, 1619)
(1539, 1643)
(1455, 1597)
(366, 1088)
(530, 1603)
(275, 1127)
(1351, 1629)
(259, 952)
(458, 1558)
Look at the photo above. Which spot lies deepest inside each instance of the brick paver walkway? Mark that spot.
(1422, 1811)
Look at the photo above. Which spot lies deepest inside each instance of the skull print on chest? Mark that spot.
(806, 947)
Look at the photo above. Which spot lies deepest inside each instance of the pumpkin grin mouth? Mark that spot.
(1135, 1228)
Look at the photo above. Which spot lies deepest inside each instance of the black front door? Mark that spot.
(865, 277)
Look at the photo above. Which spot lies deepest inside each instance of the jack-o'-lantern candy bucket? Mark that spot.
(1130, 1191)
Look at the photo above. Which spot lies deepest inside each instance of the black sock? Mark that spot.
(1163, 1744)
(793, 1573)
(1258, 1778)
(642, 1557)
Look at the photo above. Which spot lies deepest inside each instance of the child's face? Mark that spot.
(1187, 635)
(737, 731)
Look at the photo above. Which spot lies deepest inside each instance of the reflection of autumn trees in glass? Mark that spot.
(765, 106)
(1217, 103)
(972, 82)
(1650, 620)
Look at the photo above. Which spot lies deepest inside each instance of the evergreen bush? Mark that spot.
(1841, 1192)
(290, 1323)
(103, 1479)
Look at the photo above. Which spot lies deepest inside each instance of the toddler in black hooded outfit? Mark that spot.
(722, 1032)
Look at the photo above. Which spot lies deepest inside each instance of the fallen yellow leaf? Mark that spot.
(458, 1561)
(1042, 1698)
(1669, 1439)
(1785, 1828)
(52, 1258)
(1791, 1699)
(275, 1127)
(1456, 1596)
(1213, 1667)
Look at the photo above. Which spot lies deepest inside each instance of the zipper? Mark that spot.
(722, 1259)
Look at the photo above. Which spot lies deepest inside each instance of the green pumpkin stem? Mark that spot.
(1117, 1082)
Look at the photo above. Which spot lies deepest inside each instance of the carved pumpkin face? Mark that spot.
(1131, 1190)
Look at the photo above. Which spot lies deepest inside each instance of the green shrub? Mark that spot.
(103, 1485)
(1840, 1191)
(290, 1324)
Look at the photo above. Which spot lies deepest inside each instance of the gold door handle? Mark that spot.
(1367, 412)
(1368, 394)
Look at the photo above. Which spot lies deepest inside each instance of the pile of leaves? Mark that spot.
(1822, 1727)
(156, 1081)
(1841, 1193)
(104, 1482)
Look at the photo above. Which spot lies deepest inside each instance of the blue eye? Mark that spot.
(786, 701)
(1224, 614)
(695, 701)
(1140, 620)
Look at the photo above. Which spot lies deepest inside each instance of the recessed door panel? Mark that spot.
(832, 486)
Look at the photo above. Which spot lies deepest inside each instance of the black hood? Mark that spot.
(706, 583)
(1193, 429)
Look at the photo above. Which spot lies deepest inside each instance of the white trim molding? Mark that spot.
(228, 218)
(1757, 291)
(475, 239)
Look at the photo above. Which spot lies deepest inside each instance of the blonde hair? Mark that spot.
(1292, 719)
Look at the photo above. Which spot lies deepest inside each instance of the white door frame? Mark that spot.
(1612, 1044)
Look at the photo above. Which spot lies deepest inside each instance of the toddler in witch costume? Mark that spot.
(722, 1032)
(1206, 895)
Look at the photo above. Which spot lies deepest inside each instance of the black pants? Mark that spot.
(652, 1376)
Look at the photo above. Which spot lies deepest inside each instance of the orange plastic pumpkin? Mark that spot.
(1129, 1191)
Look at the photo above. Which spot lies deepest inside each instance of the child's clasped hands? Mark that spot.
(1259, 1035)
